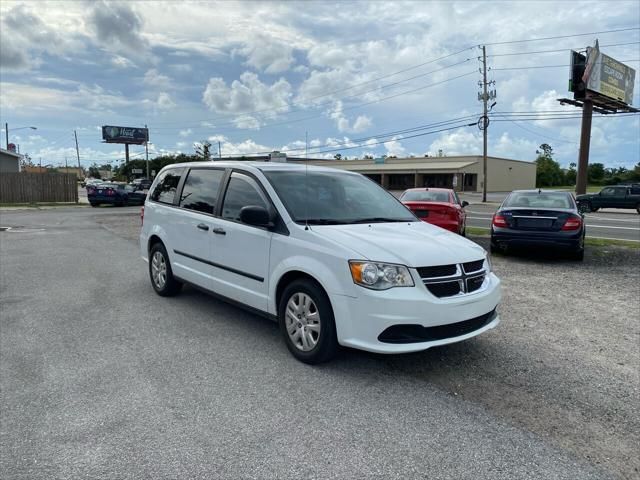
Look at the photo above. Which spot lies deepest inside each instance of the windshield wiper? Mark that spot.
(380, 220)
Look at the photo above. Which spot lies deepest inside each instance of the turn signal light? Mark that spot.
(499, 221)
(572, 223)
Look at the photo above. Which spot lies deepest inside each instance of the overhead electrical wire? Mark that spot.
(555, 50)
(602, 32)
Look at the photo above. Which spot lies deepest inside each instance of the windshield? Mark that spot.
(539, 200)
(335, 198)
(425, 196)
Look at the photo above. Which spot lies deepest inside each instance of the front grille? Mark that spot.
(473, 266)
(475, 283)
(418, 333)
(450, 280)
(437, 271)
(444, 289)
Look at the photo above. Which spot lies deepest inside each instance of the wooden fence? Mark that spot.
(38, 187)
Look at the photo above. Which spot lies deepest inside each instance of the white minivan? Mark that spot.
(329, 254)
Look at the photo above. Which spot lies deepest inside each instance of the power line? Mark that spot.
(602, 32)
(515, 122)
(315, 106)
(556, 50)
(424, 87)
(549, 66)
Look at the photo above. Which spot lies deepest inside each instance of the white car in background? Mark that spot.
(331, 255)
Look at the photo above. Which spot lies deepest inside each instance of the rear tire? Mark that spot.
(160, 273)
(578, 255)
(307, 323)
(94, 204)
(638, 208)
(494, 248)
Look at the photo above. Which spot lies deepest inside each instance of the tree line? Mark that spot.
(550, 174)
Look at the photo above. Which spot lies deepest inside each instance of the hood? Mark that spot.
(415, 244)
(585, 196)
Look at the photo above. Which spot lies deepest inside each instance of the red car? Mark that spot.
(438, 206)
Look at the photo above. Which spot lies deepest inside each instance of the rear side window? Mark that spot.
(165, 191)
(200, 191)
(635, 191)
(241, 192)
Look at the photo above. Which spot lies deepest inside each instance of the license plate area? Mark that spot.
(534, 223)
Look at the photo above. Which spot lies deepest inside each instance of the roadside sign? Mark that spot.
(136, 170)
(153, 173)
(455, 180)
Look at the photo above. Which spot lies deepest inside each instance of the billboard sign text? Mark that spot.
(132, 135)
(608, 77)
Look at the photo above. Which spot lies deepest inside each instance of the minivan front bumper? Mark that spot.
(403, 320)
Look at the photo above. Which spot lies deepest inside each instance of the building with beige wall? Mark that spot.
(463, 173)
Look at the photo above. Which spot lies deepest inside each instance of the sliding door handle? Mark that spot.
(219, 231)
(202, 226)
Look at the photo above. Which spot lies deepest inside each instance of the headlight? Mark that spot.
(380, 276)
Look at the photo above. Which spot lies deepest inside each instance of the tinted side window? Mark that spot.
(635, 191)
(200, 190)
(241, 192)
(166, 187)
(609, 191)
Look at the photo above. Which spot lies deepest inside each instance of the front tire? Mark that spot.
(584, 207)
(638, 208)
(160, 273)
(307, 322)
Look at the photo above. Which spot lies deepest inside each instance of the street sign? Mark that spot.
(153, 173)
(136, 170)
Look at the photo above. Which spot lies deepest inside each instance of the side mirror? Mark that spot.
(464, 203)
(256, 216)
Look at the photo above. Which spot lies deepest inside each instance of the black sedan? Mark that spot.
(539, 218)
(116, 194)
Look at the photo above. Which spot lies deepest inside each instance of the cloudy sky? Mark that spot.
(377, 77)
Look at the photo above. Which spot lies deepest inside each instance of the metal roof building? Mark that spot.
(462, 173)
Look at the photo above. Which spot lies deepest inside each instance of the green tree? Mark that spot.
(571, 174)
(338, 156)
(203, 150)
(548, 171)
(94, 171)
(595, 173)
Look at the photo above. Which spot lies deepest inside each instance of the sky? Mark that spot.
(356, 78)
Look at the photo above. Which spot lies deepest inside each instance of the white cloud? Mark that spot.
(245, 96)
(361, 123)
(246, 147)
(155, 79)
(268, 54)
(395, 148)
(460, 142)
(185, 133)
(164, 101)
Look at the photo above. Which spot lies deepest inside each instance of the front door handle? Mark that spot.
(202, 226)
(219, 231)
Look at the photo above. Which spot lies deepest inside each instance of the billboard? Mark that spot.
(608, 77)
(132, 135)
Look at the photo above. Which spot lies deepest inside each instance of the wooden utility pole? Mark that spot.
(219, 150)
(585, 143)
(485, 123)
(77, 152)
(146, 152)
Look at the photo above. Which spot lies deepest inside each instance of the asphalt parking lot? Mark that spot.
(101, 378)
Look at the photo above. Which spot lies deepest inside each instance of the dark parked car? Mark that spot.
(618, 196)
(541, 218)
(115, 194)
(142, 183)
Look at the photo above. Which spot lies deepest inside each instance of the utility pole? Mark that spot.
(146, 152)
(483, 124)
(306, 144)
(66, 165)
(219, 150)
(77, 152)
(6, 134)
(585, 140)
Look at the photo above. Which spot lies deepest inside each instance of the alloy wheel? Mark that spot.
(159, 270)
(302, 321)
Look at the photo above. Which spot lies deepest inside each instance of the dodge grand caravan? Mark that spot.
(329, 254)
